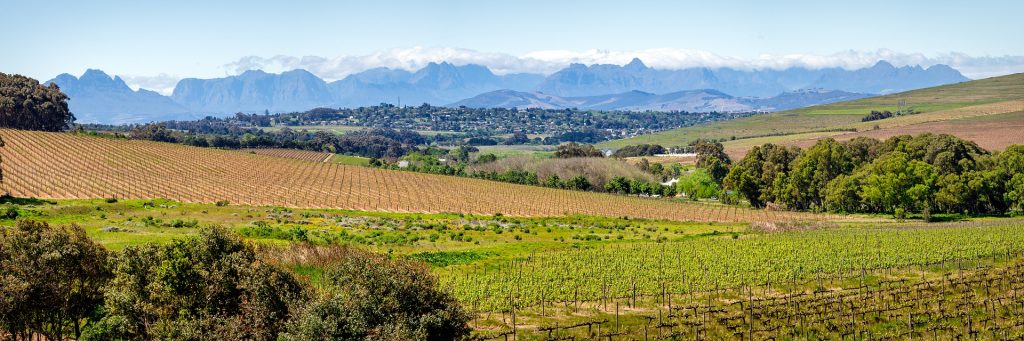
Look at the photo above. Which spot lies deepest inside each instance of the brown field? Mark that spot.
(992, 134)
(993, 126)
(65, 166)
(304, 155)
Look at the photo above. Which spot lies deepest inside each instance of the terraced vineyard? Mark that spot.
(304, 155)
(65, 166)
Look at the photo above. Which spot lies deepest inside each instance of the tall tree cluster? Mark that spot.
(26, 104)
(906, 174)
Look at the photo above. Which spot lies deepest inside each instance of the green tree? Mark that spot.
(707, 150)
(578, 182)
(1009, 168)
(763, 168)
(369, 296)
(208, 287)
(698, 185)
(51, 279)
(812, 171)
(573, 149)
(896, 183)
(26, 104)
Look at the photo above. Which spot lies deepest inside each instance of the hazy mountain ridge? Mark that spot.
(600, 86)
(97, 97)
(882, 78)
(704, 100)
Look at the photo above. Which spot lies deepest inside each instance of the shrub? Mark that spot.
(50, 280)
(9, 212)
(208, 287)
(369, 296)
(223, 203)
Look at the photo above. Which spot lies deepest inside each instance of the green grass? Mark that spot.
(503, 151)
(350, 160)
(840, 115)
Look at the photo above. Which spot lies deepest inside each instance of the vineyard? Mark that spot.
(65, 166)
(957, 280)
(304, 155)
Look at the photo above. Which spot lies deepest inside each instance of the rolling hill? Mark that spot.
(49, 165)
(958, 107)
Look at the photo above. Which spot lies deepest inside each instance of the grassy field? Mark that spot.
(350, 160)
(990, 96)
(584, 276)
(503, 151)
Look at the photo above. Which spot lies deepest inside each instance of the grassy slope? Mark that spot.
(845, 114)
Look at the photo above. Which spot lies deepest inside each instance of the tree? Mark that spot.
(210, 286)
(755, 176)
(50, 280)
(639, 150)
(812, 171)
(153, 132)
(573, 149)
(896, 183)
(486, 158)
(370, 296)
(698, 185)
(618, 185)
(1009, 166)
(708, 151)
(578, 182)
(26, 104)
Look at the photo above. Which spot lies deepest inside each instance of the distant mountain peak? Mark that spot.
(881, 64)
(636, 63)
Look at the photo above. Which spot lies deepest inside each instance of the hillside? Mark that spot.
(50, 165)
(955, 104)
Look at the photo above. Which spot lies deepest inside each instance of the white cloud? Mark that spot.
(162, 83)
(547, 62)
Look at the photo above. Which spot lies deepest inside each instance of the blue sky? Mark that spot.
(154, 44)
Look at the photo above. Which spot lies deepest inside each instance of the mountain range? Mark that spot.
(703, 100)
(97, 97)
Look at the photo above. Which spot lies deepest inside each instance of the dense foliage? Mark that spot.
(905, 174)
(369, 296)
(50, 280)
(56, 282)
(877, 115)
(639, 150)
(26, 104)
(573, 149)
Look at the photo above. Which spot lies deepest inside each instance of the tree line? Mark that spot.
(925, 174)
(59, 284)
(375, 143)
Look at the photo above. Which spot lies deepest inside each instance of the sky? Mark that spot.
(153, 44)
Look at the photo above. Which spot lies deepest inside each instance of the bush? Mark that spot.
(223, 203)
(369, 296)
(209, 287)
(9, 212)
(50, 280)
(639, 150)
(876, 115)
